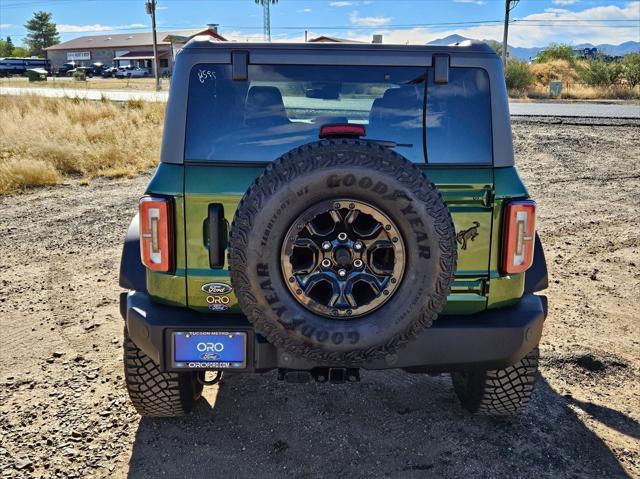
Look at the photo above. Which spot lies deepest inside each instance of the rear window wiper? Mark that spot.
(389, 143)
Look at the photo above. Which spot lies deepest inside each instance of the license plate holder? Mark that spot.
(209, 349)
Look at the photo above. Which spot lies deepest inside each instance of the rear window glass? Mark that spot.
(459, 118)
(281, 107)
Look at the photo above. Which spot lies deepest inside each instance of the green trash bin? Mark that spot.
(37, 74)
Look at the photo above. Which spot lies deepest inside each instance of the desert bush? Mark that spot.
(79, 76)
(560, 70)
(599, 72)
(576, 91)
(631, 69)
(43, 139)
(556, 51)
(518, 76)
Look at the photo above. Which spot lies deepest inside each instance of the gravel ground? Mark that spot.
(64, 410)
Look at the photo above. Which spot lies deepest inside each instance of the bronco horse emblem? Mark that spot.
(469, 234)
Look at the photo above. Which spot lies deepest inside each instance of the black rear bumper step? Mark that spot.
(493, 339)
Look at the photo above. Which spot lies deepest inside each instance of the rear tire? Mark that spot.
(498, 392)
(157, 393)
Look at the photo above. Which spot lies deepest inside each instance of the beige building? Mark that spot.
(126, 49)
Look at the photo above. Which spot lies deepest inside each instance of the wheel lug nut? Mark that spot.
(342, 236)
(326, 263)
(326, 246)
(342, 273)
(358, 263)
(357, 246)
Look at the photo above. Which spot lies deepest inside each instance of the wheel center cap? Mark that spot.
(343, 257)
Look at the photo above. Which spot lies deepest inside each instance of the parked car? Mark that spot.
(131, 72)
(97, 68)
(109, 72)
(366, 230)
(62, 70)
(88, 71)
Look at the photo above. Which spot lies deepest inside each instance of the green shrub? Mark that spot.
(599, 72)
(518, 76)
(556, 51)
(631, 69)
(79, 76)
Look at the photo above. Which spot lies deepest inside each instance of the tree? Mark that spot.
(556, 51)
(6, 47)
(518, 76)
(19, 52)
(631, 66)
(600, 72)
(42, 33)
(496, 46)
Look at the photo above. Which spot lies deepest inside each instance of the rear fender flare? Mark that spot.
(537, 278)
(132, 271)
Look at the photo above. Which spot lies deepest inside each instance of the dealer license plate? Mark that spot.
(209, 350)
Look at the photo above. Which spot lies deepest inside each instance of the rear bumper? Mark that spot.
(493, 339)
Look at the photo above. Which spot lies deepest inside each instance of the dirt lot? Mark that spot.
(64, 409)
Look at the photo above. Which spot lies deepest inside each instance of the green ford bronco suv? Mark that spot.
(321, 209)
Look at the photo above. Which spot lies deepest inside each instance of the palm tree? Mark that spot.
(267, 17)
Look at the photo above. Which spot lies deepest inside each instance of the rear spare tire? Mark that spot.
(342, 251)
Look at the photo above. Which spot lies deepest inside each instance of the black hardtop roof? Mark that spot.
(469, 46)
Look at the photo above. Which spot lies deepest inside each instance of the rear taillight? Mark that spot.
(519, 236)
(156, 233)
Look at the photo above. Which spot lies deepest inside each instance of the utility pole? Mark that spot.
(151, 10)
(266, 17)
(509, 5)
(267, 20)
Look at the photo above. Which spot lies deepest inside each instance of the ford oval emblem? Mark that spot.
(216, 288)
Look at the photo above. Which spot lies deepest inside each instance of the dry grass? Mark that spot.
(44, 139)
(578, 91)
(554, 70)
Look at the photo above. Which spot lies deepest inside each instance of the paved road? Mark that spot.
(571, 109)
(86, 94)
(567, 109)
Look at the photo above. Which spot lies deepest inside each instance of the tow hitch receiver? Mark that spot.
(321, 375)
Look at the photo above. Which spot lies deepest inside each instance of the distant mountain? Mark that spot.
(524, 53)
(448, 40)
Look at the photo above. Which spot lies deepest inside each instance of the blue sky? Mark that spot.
(537, 22)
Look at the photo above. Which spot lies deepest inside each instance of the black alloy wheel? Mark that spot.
(343, 258)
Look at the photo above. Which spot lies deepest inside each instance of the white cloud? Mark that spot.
(523, 34)
(538, 30)
(340, 4)
(239, 36)
(63, 28)
(304, 10)
(477, 2)
(367, 21)
(162, 8)
(5, 25)
(564, 2)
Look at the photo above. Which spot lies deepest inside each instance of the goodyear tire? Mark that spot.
(499, 392)
(157, 393)
(350, 173)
